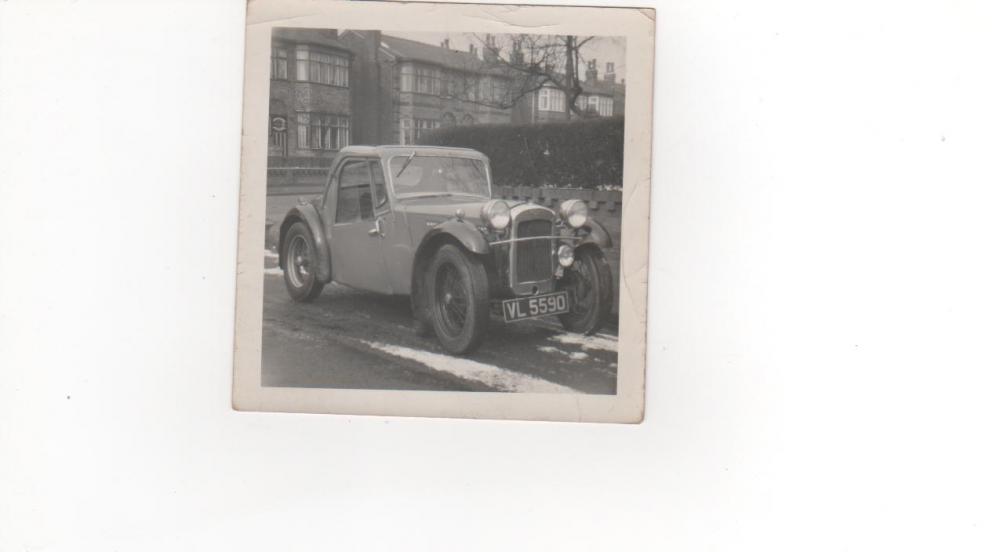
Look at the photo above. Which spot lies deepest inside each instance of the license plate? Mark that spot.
(532, 307)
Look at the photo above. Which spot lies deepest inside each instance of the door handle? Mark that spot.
(377, 230)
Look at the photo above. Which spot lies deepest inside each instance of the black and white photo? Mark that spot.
(443, 210)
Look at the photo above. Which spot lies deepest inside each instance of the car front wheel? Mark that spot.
(300, 260)
(588, 280)
(459, 299)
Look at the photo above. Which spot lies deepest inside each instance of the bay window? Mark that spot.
(279, 63)
(410, 130)
(312, 65)
(422, 80)
(592, 103)
(551, 99)
(606, 107)
(322, 131)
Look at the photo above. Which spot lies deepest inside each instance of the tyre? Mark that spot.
(588, 280)
(300, 259)
(458, 297)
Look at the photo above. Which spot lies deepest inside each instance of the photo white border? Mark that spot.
(635, 24)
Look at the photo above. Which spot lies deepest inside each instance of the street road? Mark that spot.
(352, 339)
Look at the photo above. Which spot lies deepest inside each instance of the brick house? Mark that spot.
(330, 89)
(427, 86)
(600, 98)
(310, 104)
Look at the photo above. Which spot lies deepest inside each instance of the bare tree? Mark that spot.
(527, 63)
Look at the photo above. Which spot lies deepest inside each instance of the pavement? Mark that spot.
(351, 339)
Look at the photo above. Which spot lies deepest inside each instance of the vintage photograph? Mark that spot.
(443, 211)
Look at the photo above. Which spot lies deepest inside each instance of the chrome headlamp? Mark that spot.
(574, 212)
(565, 254)
(496, 213)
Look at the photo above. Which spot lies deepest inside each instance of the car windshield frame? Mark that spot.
(392, 176)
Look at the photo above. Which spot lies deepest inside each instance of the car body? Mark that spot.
(421, 221)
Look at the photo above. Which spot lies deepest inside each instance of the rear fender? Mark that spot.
(308, 214)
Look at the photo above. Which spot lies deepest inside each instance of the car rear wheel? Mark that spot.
(459, 299)
(300, 260)
(588, 280)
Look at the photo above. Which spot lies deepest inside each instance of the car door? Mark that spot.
(355, 236)
(394, 241)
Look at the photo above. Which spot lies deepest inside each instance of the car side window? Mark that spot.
(378, 184)
(354, 195)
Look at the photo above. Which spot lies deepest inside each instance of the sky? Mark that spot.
(602, 48)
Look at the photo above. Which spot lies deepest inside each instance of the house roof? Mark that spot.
(321, 37)
(405, 49)
(598, 87)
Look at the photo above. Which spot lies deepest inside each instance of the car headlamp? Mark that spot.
(496, 213)
(565, 255)
(574, 212)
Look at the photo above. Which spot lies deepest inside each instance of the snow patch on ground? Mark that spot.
(588, 342)
(494, 376)
(268, 254)
(572, 356)
(276, 271)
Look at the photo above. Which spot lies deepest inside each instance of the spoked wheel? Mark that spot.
(452, 298)
(589, 282)
(300, 264)
(459, 299)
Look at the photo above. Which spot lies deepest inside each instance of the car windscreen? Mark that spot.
(429, 175)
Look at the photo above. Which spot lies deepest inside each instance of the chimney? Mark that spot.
(591, 70)
(609, 72)
(446, 44)
(516, 55)
(490, 54)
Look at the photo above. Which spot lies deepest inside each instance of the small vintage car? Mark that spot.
(421, 221)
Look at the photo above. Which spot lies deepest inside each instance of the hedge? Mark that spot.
(585, 153)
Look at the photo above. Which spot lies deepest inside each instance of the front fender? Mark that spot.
(467, 234)
(598, 235)
(464, 232)
(309, 215)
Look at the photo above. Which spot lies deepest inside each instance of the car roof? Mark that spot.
(390, 150)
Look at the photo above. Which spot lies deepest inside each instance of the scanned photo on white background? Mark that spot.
(434, 218)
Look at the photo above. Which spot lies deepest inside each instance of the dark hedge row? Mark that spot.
(585, 153)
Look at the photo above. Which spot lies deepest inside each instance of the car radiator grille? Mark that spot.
(534, 257)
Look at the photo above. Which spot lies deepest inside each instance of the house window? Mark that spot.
(551, 99)
(406, 131)
(606, 107)
(279, 134)
(491, 89)
(592, 102)
(406, 78)
(315, 66)
(279, 63)
(468, 88)
(447, 120)
(427, 80)
(410, 130)
(422, 80)
(451, 85)
(322, 131)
